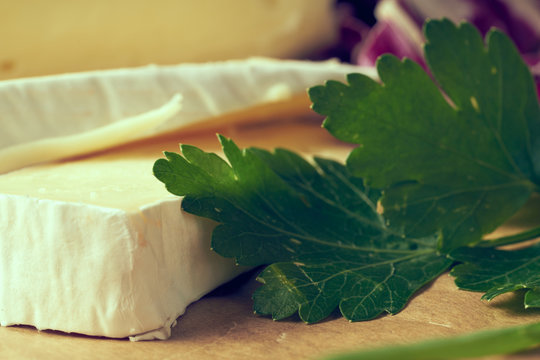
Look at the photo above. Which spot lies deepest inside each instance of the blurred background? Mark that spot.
(57, 36)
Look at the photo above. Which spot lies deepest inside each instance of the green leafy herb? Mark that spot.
(481, 343)
(451, 159)
(462, 166)
(318, 227)
(496, 272)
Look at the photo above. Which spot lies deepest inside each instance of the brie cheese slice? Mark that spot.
(95, 244)
(103, 271)
(40, 114)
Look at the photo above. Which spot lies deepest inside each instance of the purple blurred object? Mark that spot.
(399, 27)
(386, 37)
(354, 24)
(534, 65)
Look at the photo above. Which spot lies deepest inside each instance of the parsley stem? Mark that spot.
(511, 239)
(482, 343)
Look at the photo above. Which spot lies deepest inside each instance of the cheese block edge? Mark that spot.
(102, 271)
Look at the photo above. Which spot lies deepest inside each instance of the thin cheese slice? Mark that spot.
(103, 137)
(37, 111)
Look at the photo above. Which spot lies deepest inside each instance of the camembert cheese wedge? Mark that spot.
(95, 244)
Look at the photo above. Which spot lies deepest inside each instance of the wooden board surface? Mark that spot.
(223, 326)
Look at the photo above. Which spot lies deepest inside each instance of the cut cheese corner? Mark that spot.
(103, 271)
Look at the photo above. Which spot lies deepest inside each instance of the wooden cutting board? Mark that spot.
(222, 325)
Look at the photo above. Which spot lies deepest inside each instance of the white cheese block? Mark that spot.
(57, 36)
(38, 112)
(95, 245)
(103, 271)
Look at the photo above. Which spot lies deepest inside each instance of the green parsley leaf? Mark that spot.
(496, 272)
(462, 161)
(316, 224)
(453, 158)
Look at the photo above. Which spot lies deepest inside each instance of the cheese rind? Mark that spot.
(50, 149)
(102, 271)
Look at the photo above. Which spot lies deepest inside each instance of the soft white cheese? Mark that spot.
(94, 270)
(96, 245)
(55, 107)
(48, 149)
